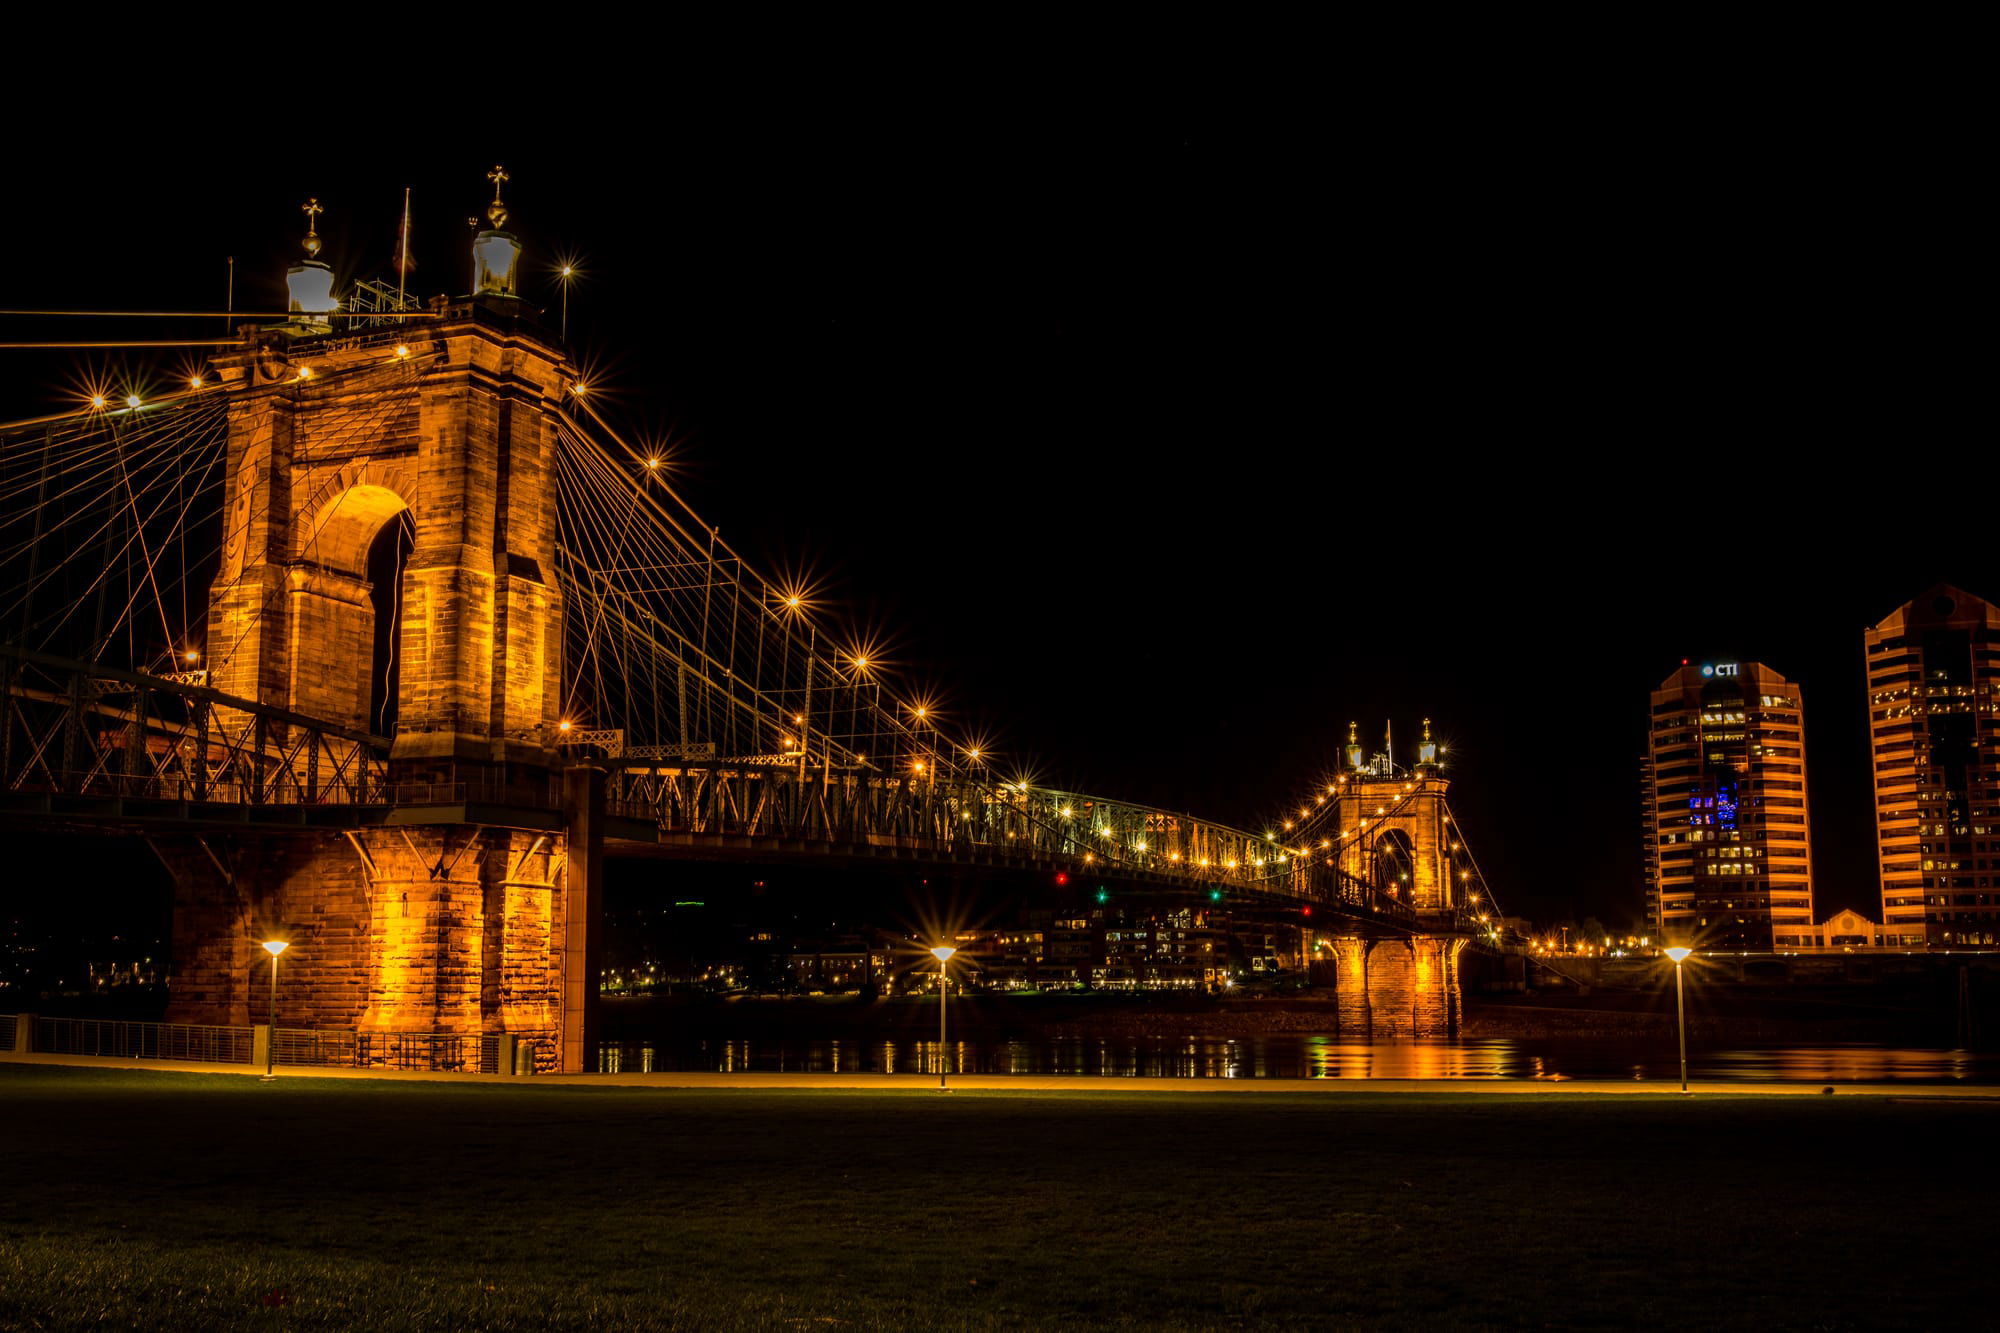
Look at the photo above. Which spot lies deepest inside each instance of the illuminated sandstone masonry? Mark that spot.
(471, 911)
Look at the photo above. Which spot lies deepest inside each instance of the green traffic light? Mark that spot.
(1215, 895)
(1102, 896)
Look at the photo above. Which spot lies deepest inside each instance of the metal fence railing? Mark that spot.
(143, 1041)
(310, 1046)
(433, 1051)
(448, 1052)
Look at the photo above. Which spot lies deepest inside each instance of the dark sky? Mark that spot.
(1164, 444)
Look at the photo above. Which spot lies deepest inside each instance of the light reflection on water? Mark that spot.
(1308, 1056)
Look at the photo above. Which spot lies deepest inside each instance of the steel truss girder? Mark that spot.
(124, 734)
(953, 817)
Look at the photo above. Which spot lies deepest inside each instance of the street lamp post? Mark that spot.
(943, 953)
(1679, 955)
(274, 948)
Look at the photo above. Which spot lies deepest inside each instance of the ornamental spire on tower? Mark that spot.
(1427, 750)
(496, 254)
(496, 212)
(309, 283)
(1354, 745)
(311, 208)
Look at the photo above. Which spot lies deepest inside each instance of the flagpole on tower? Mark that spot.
(403, 261)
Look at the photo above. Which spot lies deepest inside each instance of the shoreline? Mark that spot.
(1724, 1015)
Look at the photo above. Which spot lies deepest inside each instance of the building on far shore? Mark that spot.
(1729, 860)
(1934, 725)
(849, 963)
(1846, 929)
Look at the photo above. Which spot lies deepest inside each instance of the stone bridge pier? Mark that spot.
(462, 930)
(1397, 986)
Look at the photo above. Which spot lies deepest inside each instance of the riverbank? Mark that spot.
(1717, 1015)
(168, 1200)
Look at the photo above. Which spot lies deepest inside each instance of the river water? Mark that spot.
(1306, 1055)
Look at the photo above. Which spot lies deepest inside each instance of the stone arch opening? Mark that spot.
(388, 557)
(339, 532)
(1396, 863)
(352, 550)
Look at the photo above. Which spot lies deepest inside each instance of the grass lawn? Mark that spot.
(189, 1201)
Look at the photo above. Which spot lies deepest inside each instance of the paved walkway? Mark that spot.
(1091, 1084)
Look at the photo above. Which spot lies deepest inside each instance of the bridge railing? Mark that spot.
(517, 792)
(130, 786)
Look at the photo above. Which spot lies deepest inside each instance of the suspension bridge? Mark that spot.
(385, 638)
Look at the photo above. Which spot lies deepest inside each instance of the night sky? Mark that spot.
(1163, 446)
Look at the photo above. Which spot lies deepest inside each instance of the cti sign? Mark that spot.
(1720, 669)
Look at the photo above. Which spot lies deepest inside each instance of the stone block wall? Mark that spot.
(446, 929)
(332, 644)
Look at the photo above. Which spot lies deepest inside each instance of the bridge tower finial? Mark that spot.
(496, 212)
(309, 283)
(1427, 750)
(311, 208)
(1354, 756)
(496, 254)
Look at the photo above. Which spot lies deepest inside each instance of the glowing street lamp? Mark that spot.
(1679, 955)
(274, 948)
(943, 953)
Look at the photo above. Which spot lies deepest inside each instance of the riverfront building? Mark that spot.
(1933, 692)
(1729, 861)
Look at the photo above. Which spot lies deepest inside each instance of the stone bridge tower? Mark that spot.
(450, 420)
(1400, 831)
(430, 917)
(1399, 838)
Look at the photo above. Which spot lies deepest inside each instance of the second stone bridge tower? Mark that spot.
(1389, 827)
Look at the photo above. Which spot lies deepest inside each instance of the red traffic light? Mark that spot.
(1061, 878)
(1305, 911)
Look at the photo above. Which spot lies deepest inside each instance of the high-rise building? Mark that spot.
(1934, 724)
(1729, 860)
